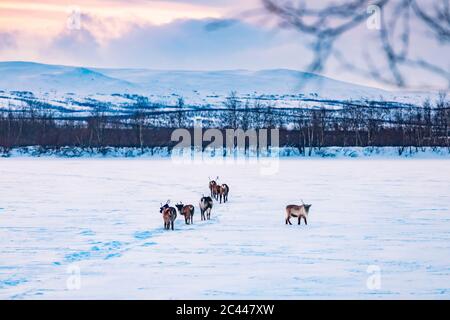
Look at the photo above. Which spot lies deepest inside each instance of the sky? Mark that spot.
(173, 34)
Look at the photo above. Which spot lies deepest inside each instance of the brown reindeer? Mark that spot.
(223, 193)
(187, 211)
(212, 186)
(169, 215)
(297, 211)
(206, 204)
(216, 192)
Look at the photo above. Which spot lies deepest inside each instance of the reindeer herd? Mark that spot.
(219, 192)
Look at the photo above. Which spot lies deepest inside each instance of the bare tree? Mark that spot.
(232, 103)
(397, 19)
(179, 112)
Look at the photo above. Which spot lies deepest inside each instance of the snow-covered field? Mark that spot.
(100, 218)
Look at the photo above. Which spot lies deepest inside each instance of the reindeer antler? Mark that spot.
(168, 201)
(302, 201)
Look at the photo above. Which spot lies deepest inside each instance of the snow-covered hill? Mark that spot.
(64, 86)
(265, 82)
(28, 76)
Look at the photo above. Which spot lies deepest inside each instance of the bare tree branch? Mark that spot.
(328, 24)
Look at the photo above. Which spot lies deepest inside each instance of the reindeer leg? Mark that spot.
(289, 220)
(299, 219)
(304, 218)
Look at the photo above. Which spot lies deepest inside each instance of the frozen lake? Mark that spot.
(92, 229)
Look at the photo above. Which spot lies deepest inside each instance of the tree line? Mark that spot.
(352, 124)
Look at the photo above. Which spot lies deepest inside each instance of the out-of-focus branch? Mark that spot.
(328, 24)
(440, 22)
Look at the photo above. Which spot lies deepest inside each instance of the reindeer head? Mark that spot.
(179, 206)
(161, 209)
(306, 206)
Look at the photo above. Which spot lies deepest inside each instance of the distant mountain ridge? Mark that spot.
(42, 77)
(283, 87)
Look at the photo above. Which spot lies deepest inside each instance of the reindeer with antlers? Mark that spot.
(169, 215)
(213, 186)
(297, 211)
(187, 211)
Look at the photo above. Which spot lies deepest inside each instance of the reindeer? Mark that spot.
(296, 211)
(187, 211)
(216, 193)
(223, 193)
(212, 186)
(206, 204)
(169, 215)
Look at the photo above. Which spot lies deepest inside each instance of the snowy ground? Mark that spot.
(100, 217)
